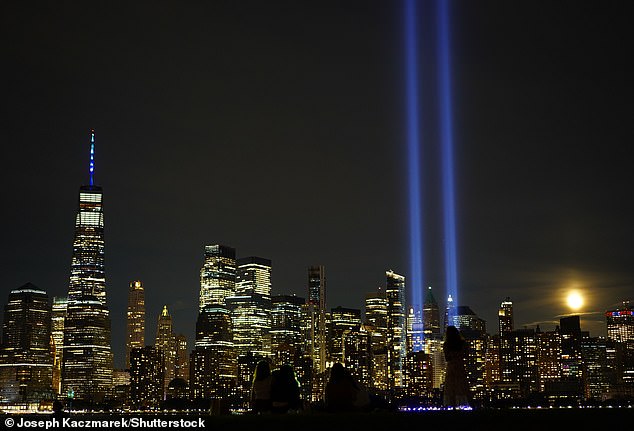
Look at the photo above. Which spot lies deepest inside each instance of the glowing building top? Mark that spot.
(217, 275)
(450, 312)
(505, 316)
(620, 323)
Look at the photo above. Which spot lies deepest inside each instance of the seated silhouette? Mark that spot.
(284, 390)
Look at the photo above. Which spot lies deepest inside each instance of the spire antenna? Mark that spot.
(92, 157)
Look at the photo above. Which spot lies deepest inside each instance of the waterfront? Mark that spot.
(481, 419)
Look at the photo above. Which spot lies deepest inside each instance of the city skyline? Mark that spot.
(312, 171)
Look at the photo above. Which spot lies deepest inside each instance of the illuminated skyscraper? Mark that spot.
(26, 360)
(450, 313)
(466, 319)
(181, 367)
(396, 328)
(166, 342)
(213, 363)
(135, 328)
(251, 307)
(343, 320)
(87, 359)
(376, 325)
(58, 316)
(357, 353)
(217, 276)
(431, 316)
(505, 316)
(420, 377)
(286, 337)
(254, 276)
(549, 352)
(599, 374)
(620, 325)
(317, 301)
(571, 362)
(505, 328)
(414, 330)
(146, 377)
(522, 364)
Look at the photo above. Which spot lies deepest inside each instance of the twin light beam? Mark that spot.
(414, 154)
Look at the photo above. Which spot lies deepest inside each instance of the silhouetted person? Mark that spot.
(284, 390)
(341, 390)
(456, 392)
(58, 411)
(261, 388)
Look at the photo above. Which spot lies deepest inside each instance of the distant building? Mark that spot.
(599, 373)
(213, 363)
(620, 326)
(87, 360)
(475, 360)
(135, 327)
(217, 275)
(251, 307)
(58, 316)
(431, 316)
(415, 335)
(571, 359)
(620, 323)
(342, 320)
(286, 336)
(505, 317)
(521, 366)
(376, 326)
(466, 319)
(146, 378)
(317, 314)
(166, 342)
(505, 328)
(420, 377)
(450, 312)
(549, 354)
(357, 353)
(396, 328)
(26, 359)
(181, 367)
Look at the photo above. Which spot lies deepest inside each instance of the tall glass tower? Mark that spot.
(396, 328)
(26, 362)
(87, 359)
(251, 307)
(218, 275)
(317, 309)
(135, 329)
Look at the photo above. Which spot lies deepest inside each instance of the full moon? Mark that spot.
(574, 300)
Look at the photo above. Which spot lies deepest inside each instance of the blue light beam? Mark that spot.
(413, 147)
(446, 139)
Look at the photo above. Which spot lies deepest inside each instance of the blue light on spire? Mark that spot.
(92, 157)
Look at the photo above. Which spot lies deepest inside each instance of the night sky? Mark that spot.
(278, 128)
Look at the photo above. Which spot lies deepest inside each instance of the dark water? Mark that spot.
(511, 420)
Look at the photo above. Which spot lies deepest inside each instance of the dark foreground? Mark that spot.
(511, 419)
